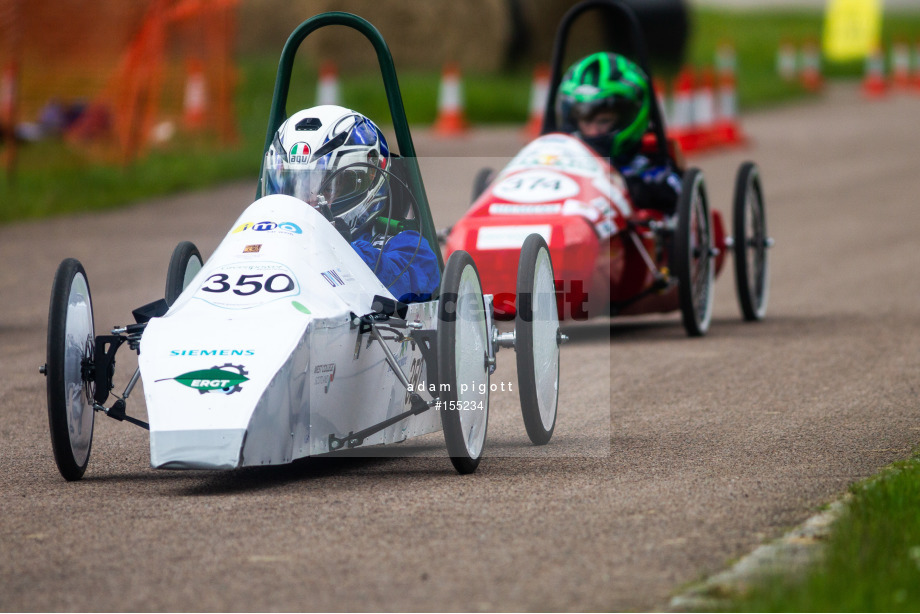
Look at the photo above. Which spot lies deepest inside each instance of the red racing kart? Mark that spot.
(610, 257)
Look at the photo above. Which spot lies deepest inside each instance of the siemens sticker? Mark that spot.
(266, 226)
(212, 353)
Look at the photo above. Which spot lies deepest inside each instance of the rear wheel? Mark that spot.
(463, 366)
(183, 266)
(537, 340)
(750, 244)
(68, 369)
(693, 255)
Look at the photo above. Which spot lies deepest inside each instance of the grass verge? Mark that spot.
(871, 561)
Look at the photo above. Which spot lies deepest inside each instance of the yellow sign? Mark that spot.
(852, 29)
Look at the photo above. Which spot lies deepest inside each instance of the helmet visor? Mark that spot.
(316, 186)
(618, 114)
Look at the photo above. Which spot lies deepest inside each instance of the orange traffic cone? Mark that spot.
(915, 77)
(8, 95)
(786, 61)
(900, 65)
(450, 120)
(682, 110)
(539, 90)
(8, 99)
(327, 90)
(874, 85)
(704, 110)
(810, 75)
(727, 129)
(196, 95)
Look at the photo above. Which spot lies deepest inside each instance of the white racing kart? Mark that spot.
(284, 344)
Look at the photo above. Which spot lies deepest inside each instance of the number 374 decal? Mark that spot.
(247, 285)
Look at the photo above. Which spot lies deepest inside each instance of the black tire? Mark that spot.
(183, 266)
(693, 255)
(751, 242)
(463, 336)
(69, 356)
(536, 327)
(482, 180)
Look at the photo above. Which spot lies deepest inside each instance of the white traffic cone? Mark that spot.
(196, 96)
(327, 89)
(539, 90)
(727, 130)
(786, 63)
(900, 65)
(451, 120)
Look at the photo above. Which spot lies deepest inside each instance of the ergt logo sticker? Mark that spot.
(225, 378)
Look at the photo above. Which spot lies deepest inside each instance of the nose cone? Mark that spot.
(197, 449)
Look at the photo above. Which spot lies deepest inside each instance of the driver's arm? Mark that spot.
(406, 265)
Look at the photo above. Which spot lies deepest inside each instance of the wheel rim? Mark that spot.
(755, 249)
(470, 363)
(701, 270)
(545, 339)
(78, 346)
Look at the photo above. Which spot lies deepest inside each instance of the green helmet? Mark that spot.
(606, 82)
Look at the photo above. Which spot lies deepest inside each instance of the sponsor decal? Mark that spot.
(226, 379)
(560, 152)
(243, 285)
(510, 237)
(577, 207)
(332, 276)
(252, 249)
(300, 307)
(604, 228)
(614, 189)
(602, 204)
(300, 153)
(415, 378)
(536, 186)
(510, 209)
(267, 226)
(212, 353)
(323, 375)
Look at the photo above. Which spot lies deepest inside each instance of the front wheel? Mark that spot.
(68, 369)
(751, 242)
(463, 362)
(693, 255)
(184, 264)
(537, 340)
(482, 180)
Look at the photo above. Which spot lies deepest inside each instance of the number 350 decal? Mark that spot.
(279, 282)
(247, 285)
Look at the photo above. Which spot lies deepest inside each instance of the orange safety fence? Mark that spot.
(114, 78)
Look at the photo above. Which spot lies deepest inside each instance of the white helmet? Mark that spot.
(329, 156)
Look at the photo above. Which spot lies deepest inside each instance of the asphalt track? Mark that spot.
(679, 456)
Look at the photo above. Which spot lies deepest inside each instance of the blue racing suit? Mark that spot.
(405, 264)
(650, 187)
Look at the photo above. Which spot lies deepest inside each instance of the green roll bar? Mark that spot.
(394, 98)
